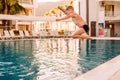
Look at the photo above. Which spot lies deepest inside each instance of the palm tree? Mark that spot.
(10, 7)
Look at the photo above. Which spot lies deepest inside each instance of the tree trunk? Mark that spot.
(9, 24)
(4, 24)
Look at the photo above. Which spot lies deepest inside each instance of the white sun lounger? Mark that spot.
(43, 34)
(13, 34)
(27, 34)
(34, 35)
(7, 35)
(21, 34)
(2, 37)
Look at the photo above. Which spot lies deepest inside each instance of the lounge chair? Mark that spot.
(68, 34)
(53, 34)
(34, 35)
(27, 34)
(13, 35)
(21, 34)
(58, 34)
(43, 34)
(2, 37)
(7, 35)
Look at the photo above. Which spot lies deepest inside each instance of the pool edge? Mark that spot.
(103, 72)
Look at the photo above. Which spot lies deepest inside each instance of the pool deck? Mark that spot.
(106, 38)
(109, 70)
(47, 37)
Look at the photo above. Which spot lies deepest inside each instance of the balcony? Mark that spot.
(112, 15)
(26, 1)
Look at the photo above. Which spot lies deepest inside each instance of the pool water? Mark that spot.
(53, 59)
(98, 52)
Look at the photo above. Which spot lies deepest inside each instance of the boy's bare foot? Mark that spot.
(82, 41)
(86, 36)
(90, 38)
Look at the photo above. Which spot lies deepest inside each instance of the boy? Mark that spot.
(77, 19)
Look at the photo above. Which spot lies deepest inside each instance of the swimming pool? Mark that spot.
(53, 59)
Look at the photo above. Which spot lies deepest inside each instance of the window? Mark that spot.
(109, 10)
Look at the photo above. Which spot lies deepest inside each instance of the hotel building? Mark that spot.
(30, 6)
(104, 13)
(111, 10)
(97, 13)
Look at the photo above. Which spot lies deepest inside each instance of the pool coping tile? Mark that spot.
(103, 72)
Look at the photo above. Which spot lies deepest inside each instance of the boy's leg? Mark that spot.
(77, 33)
(80, 33)
(85, 36)
(82, 41)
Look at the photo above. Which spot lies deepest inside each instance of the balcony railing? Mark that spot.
(26, 1)
(112, 13)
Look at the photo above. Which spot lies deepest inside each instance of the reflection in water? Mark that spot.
(44, 59)
(56, 59)
(15, 60)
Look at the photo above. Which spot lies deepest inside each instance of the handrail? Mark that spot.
(112, 13)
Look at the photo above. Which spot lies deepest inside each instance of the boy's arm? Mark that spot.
(64, 11)
(59, 19)
(67, 15)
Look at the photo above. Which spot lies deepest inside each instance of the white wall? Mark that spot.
(94, 13)
(101, 18)
(83, 9)
(93, 10)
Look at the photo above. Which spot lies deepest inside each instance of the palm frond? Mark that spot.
(16, 8)
(13, 7)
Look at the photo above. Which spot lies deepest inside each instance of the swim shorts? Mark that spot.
(86, 28)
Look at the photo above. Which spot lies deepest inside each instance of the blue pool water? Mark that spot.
(53, 59)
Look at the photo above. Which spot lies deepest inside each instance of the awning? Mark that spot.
(26, 18)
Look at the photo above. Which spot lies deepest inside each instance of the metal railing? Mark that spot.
(112, 13)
